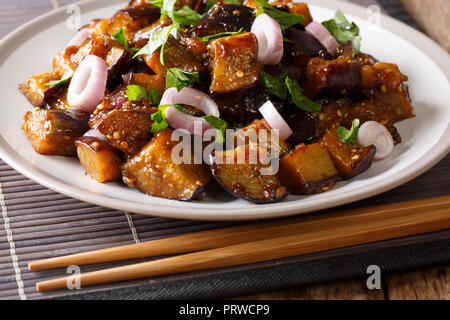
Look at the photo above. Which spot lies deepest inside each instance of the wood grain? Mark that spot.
(433, 16)
(428, 284)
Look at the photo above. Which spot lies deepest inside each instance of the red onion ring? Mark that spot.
(79, 38)
(275, 120)
(270, 39)
(191, 97)
(95, 134)
(374, 133)
(88, 84)
(324, 36)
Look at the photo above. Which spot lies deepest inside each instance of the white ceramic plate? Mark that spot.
(426, 138)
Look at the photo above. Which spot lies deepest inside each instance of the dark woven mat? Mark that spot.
(38, 223)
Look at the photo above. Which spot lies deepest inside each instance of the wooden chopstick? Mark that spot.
(359, 230)
(241, 234)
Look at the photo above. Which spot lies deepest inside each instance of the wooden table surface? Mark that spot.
(431, 283)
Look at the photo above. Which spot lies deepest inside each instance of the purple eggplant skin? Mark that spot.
(343, 76)
(301, 47)
(223, 18)
(303, 125)
(117, 68)
(142, 11)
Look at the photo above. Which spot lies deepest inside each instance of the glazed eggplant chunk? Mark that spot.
(53, 132)
(38, 90)
(244, 178)
(153, 171)
(233, 62)
(99, 159)
(349, 158)
(308, 169)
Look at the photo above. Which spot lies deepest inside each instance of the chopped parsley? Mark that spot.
(157, 39)
(300, 100)
(120, 36)
(183, 17)
(219, 125)
(135, 92)
(274, 86)
(66, 77)
(179, 79)
(285, 19)
(349, 136)
(159, 118)
(219, 35)
(344, 31)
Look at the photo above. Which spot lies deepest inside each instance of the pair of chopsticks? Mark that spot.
(257, 243)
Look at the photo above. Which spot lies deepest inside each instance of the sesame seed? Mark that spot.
(124, 145)
(355, 157)
(96, 144)
(116, 135)
(240, 73)
(339, 113)
(204, 55)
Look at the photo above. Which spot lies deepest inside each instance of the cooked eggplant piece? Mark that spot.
(349, 158)
(133, 19)
(339, 76)
(252, 134)
(99, 159)
(332, 115)
(59, 102)
(382, 75)
(38, 90)
(147, 81)
(308, 169)
(233, 62)
(141, 37)
(303, 125)
(53, 132)
(301, 47)
(302, 9)
(126, 130)
(245, 178)
(154, 172)
(176, 55)
(98, 27)
(223, 18)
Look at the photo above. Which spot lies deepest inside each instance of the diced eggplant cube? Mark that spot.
(126, 130)
(154, 172)
(99, 159)
(38, 90)
(308, 169)
(233, 62)
(53, 132)
(350, 159)
(244, 178)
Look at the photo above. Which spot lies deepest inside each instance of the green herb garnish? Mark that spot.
(66, 77)
(298, 97)
(179, 79)
(157, 39)
(156, 3)
(219, 125)
(120, 36)
(135, 92)
(344, 31)
(219, 35)
(159, 118)
(349, 136)
(285, 19)
(183, 17)
(273, 85)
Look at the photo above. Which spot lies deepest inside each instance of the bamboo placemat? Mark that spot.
(39, 223)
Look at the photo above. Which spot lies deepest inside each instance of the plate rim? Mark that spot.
(268, 211)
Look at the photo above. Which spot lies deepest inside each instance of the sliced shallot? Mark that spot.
(191, 97)
(275, 120)
(270, 39)
(374, 133)
(79, 38)
(95, 134)
(324, 36)
(88, 84)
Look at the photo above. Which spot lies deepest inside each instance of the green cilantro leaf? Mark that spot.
(349, 136)
(273, 85)
(153, 96)
(219, 125)
(66, 77)
(135, 92)
(219, 35)
(285, 19)
(157, 3)
(179, 79)
(120, 36)
(159, 118)
(186, 16)
(298, 97)
(344, 31)
(157, 39)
